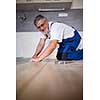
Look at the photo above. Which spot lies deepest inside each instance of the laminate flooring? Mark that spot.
(49, 81)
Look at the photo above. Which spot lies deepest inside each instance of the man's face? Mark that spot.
(42, 25)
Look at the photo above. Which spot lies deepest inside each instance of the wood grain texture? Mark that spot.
(49, 81)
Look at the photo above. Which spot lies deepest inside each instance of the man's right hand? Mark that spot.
(34, 56)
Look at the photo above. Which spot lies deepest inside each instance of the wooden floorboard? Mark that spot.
(49, 81)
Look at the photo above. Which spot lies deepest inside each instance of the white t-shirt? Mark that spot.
(59, 31)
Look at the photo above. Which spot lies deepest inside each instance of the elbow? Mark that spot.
(54, 47)
(53, 44)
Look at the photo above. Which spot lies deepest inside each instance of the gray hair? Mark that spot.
(39, 17)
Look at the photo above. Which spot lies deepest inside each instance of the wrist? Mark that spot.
(39, 59)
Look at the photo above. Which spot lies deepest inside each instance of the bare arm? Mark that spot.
(50, 48)
(39, 48)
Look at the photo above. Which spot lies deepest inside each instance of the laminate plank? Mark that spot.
(50, 81)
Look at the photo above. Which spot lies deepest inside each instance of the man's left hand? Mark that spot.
(35, 60)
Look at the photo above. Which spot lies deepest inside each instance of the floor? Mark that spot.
(49, 80)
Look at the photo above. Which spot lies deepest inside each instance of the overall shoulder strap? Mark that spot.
(51, 24)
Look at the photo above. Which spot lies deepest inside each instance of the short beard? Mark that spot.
(46, 31)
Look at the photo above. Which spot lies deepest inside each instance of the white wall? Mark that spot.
(26, 43)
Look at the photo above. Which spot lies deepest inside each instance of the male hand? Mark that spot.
(34, 56)
(35, 59)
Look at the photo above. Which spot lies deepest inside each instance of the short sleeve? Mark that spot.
(56, 32)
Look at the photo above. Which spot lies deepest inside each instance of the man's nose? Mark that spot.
(42, 28)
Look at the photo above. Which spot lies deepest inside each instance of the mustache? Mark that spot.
(45, 31)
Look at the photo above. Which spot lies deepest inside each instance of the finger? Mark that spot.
(31, 60)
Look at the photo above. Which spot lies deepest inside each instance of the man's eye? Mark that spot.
(42, 24)
(38, 27)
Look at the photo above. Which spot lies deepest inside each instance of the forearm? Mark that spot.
(39, 47)
(51, 47)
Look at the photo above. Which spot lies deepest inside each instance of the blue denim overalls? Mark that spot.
(67, 48)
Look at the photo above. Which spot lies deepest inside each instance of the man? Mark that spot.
(67, 37)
